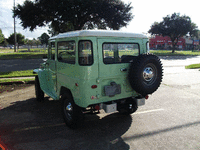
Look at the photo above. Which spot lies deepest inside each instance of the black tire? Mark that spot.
(38, 91)
(72, 113)
(145, 74)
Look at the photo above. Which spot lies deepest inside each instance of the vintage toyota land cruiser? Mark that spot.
(90, 70)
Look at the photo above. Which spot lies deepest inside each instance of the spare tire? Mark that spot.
(145, 74)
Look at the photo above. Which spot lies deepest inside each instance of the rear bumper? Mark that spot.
(140, 101)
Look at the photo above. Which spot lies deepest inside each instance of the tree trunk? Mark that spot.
(173, 46)
(174, 43)
(28, 48)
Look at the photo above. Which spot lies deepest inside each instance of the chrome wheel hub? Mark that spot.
(69, 107)
(148, 74)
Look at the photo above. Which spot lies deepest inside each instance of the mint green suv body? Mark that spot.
(94, 66)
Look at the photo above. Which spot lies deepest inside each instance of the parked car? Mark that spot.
(91, 70)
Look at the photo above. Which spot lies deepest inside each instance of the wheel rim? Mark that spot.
(149, 74)
(68, 111)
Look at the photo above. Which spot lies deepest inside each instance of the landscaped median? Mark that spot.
(14, 76)
(10, 81)
(193, 66)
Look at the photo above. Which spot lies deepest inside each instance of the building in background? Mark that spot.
(196, 44)
(160, 42)
(189, 43)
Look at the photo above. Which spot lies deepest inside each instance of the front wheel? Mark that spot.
(72, 113)
(38, 91)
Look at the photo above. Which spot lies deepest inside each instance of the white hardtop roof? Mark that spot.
(98, 33)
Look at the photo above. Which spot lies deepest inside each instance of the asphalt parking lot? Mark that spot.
(169, 120)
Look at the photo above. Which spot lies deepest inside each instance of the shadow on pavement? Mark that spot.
(31, 125)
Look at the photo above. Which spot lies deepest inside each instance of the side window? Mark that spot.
(85, 53)
(119, 52)
(51, 54)
(66, 52)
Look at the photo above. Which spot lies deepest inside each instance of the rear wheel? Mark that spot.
(127, 106)
(38, 91)
(72, 113)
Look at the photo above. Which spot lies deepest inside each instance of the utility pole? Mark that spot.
(15, 36)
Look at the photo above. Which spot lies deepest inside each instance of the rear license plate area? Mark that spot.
(111, 90)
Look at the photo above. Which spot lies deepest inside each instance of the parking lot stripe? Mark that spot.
(37, 127)
(148, 111)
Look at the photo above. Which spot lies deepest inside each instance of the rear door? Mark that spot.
(115, 56)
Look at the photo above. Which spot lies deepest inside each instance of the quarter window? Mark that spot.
(85, 53)
(66, 52)
(52, 51)
(119, 52)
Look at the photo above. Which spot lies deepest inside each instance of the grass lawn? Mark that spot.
(23, 54)
(22, 50)
(10, 74)
(193, 66)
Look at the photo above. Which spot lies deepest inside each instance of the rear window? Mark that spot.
(119, 52)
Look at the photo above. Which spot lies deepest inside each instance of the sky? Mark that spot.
(145, 12)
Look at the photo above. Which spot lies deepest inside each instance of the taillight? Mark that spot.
(94, 86)
(97, 107)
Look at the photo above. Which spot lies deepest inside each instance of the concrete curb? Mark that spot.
(32, 81)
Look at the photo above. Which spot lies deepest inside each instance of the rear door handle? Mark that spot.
(123, 69)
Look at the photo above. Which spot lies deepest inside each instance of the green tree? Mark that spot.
(20, 39)
(174, 26)
(66, 15)
(44, 38)
(1, 37)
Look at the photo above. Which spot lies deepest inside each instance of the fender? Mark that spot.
(42, 78)
(44, 83)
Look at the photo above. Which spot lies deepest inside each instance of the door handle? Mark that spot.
(123, 69)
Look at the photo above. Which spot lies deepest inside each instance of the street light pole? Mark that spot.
(15, 36)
